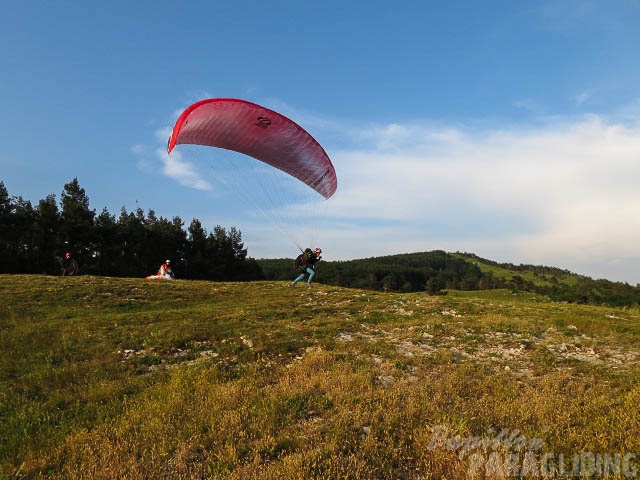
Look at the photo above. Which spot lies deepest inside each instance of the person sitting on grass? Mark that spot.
(164, 272)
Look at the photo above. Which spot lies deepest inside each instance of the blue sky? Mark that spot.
(507, 129)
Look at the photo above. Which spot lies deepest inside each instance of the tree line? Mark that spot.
(34, 239)
(430, 272)
(437, 271)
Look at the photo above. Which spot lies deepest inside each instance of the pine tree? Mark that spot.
(77, 222)
(47, 227)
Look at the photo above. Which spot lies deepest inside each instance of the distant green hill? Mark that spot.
(438, 272)
(540, 276)
(536, 274)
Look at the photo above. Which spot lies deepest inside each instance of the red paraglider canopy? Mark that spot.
(261, 133)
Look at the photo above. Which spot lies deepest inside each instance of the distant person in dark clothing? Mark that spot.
(68, 265)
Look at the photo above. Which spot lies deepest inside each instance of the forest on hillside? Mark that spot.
(427, 271)
(437, 271)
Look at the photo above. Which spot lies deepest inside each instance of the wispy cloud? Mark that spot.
(155, 159)
(583, 98)
(569, 15)
(182, 171)
(139, 149)
(529, 105)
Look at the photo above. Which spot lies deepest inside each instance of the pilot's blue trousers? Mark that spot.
(310, 271)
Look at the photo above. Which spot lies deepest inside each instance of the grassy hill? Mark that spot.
(539, 276)
(127, 378)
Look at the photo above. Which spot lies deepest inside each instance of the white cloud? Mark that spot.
(563, 194)
(181, 170)
(162, 134)
(173, 166)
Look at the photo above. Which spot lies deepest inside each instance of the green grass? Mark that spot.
(127, 378)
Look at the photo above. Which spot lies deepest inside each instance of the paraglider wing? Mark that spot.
(261, 133)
